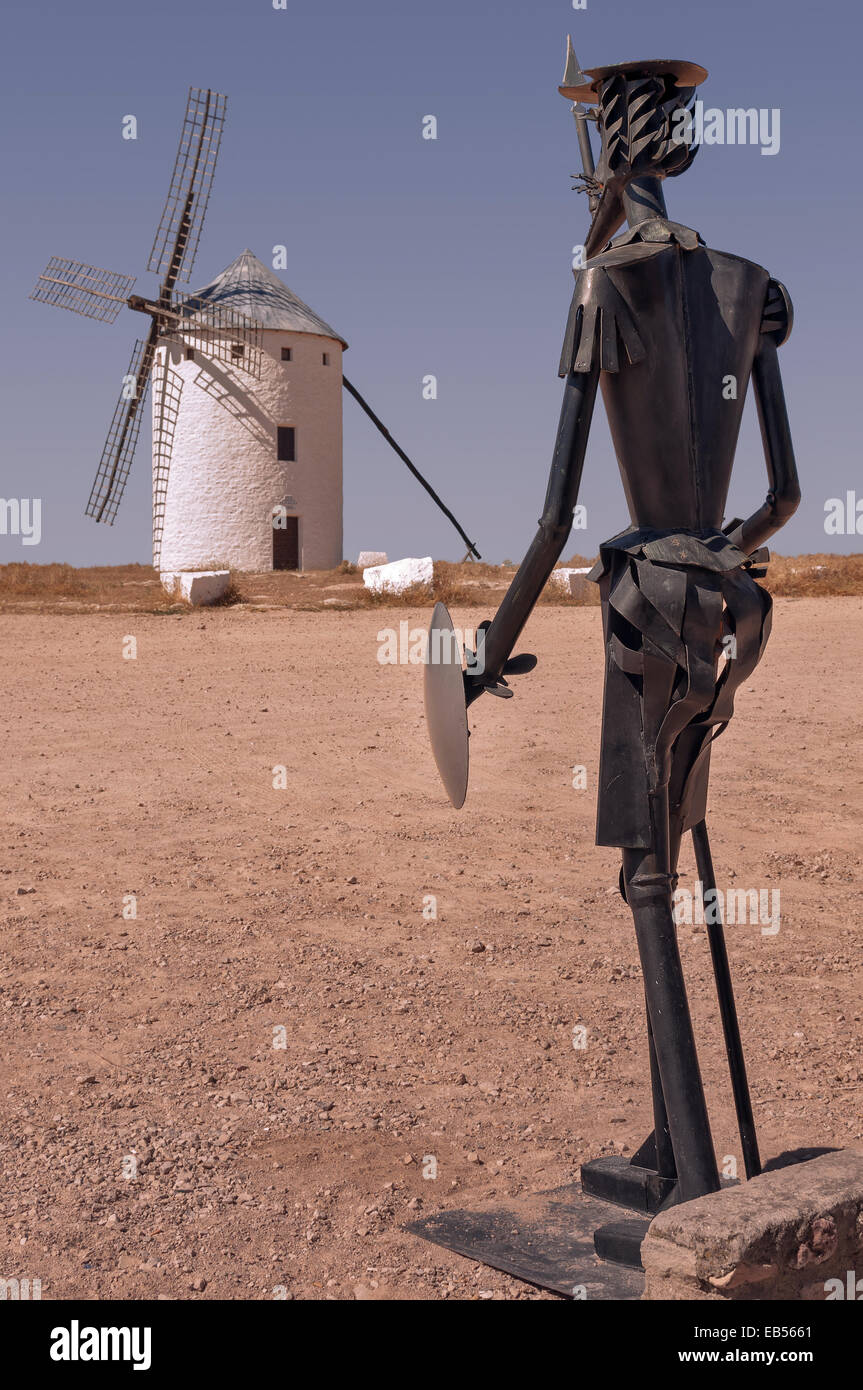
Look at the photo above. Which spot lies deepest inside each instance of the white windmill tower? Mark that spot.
(247, 406)
(247, 467)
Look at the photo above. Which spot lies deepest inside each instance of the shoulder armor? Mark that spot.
(599, 315)
(778, 313)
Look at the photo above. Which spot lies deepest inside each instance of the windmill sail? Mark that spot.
(167, 390)
(223, 334)
(176, 242)
(85, 289)
(116, 460)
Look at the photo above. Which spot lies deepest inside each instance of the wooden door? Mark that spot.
(286, 543)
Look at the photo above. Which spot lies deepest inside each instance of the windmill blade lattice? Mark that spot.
(117, 454)
(85, 289)
(176, 242)
(100, 294)
(167, 390)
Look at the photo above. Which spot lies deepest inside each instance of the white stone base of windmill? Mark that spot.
(571, 582)
(399, 575)
(196, 586)
(369, 558)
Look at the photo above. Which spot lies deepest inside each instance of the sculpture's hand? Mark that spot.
(477, 679)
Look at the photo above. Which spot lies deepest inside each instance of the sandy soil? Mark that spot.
(301, 909)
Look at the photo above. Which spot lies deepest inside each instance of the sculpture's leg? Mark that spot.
(665, 1165)
(656, 1152)
(728, 1012)
(663, 1152)
(648, 1180)
(648, 882)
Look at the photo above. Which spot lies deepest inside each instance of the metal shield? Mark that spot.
(445, 705)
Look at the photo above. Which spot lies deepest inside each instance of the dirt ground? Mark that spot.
(236, 1093)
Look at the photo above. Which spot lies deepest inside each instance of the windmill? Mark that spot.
(101, 294)
(220, 331)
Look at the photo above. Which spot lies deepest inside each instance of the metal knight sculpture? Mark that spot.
(661, 322)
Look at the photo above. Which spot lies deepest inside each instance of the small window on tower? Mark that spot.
(325, 358)
(286, 444)
(237, 351)
(287, 354)
(190, 354)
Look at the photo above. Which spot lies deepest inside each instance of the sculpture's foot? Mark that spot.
(626, 1184)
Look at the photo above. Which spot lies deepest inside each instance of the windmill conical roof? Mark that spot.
(251, 288)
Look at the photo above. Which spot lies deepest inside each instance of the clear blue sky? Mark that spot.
(449, 257)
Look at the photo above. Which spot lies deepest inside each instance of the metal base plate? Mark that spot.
(620, 1241)
(544, 1238)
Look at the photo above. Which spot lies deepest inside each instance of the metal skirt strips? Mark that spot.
(673, 603)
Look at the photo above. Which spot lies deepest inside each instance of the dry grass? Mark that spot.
(62, 588)
(42, 581)
(814, 576)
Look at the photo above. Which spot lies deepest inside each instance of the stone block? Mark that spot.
(571, 582)
(196, 586)
(394, 578)
(795, 1232)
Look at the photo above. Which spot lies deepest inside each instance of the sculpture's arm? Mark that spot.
(783, 496)
(555, 524)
